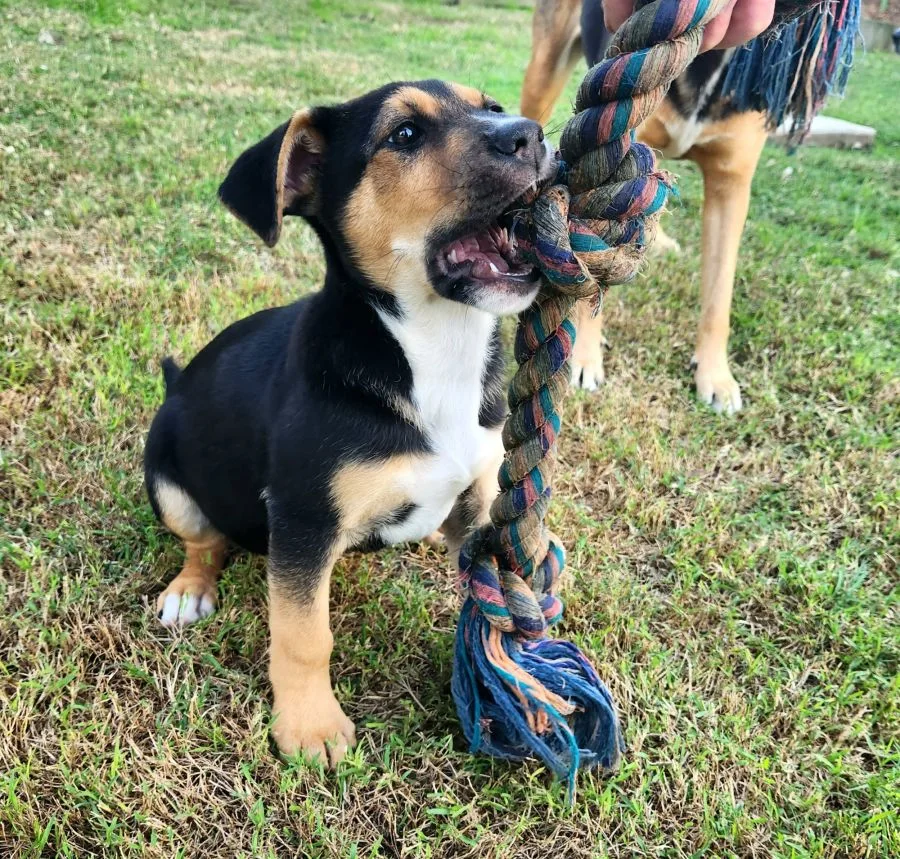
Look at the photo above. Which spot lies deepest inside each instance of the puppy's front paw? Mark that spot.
(587, 363)
(315, 726)
(186, 600)
(715, 385)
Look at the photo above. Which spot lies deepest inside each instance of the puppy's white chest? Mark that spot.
(433, 488)
(448, 363)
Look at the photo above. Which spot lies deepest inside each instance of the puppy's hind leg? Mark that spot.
(191, 595)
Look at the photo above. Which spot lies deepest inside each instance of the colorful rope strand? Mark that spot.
(519, 693)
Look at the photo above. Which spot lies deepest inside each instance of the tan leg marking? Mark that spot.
(308, 718)
(555, 49)
(364, 491)
(587, 354)
(727, 155)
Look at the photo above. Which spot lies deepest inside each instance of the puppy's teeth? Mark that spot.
(451, 257)
(494, 269)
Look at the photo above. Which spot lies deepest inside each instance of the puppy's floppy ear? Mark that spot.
(276, 177)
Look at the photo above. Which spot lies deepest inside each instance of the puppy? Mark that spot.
(370, 412)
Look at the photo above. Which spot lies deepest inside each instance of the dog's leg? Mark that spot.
(472, 507)
(307, 715)
(304, 543)
(587, 354)
(555, 49)
(727, 159)
(653, 133)
(191, 595)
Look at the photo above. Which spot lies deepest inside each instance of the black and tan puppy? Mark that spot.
(368, 413)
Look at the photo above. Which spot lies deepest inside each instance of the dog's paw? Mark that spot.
(664, 245)
(186, 600)
(316, 728)
(435, 540)
(587, 363)
(716, 386)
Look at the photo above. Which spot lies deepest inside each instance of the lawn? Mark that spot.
(735, 580)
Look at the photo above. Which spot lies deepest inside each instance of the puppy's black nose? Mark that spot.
(516, 136)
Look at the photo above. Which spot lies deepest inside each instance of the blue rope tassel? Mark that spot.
(790, 71)
(495, 722)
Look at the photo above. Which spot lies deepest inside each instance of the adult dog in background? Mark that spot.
(694, 121)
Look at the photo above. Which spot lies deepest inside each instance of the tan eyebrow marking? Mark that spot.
(470, 95)
(411, 98)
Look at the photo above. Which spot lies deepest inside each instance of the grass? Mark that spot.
(735, 580)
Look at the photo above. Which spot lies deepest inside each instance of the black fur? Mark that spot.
(493, 402)
(171, 371)
(698, 91)
(254, 170)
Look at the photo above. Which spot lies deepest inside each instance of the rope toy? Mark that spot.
(519, 693)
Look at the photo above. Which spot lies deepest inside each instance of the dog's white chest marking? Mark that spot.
(683, 131)
(447, 346)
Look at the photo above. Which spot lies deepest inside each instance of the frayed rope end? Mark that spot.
(790, 70)
(532, 699)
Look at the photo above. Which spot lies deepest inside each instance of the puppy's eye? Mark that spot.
(495, 108)
(405, 135)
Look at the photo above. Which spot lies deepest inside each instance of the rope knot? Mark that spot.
(599, 235)
(510, 601)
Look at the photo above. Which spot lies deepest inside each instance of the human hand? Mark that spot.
(738, 22)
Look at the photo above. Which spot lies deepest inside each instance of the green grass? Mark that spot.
(734, 580)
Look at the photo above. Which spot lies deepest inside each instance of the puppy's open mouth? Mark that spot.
(486, 255)
(482, 263)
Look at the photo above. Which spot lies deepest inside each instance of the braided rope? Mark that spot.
(518, 693)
